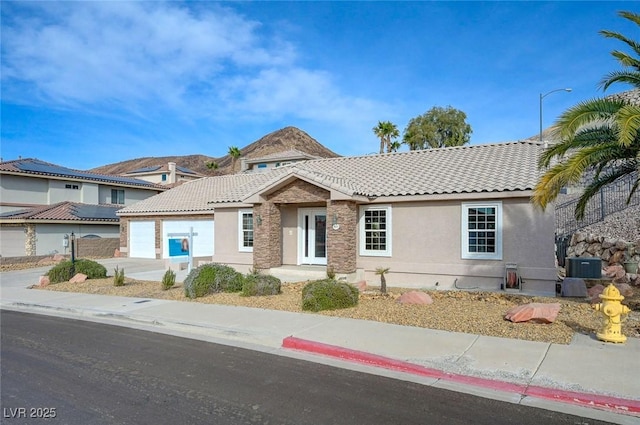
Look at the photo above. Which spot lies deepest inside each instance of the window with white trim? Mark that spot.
(245, 230)
(482, 230)
(375, 230)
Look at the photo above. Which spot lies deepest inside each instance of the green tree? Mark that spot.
(234, 153)
(437, 128)
(599, 136)
(386, 132)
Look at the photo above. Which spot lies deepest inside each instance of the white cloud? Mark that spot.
(198, 60)
(126, 52)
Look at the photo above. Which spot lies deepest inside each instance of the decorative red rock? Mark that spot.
(116, 253)
(44, 281)
(534, 312)
(362, 285)
(625, 289)
(594, 291)
(78, 278)
(615, 272)
(414, 297)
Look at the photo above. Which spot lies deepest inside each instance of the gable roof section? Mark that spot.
(65, 211)
(199, 195)
(499, 167)
(502, 167)
(283, 155)
(36, 167)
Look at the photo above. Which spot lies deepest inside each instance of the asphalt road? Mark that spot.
(56, 370)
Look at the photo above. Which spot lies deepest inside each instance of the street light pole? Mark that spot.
(542, 96)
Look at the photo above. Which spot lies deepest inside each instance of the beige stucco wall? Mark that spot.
(289, 234)
(226, 250)
(23, 191)
(131, 195)
(426, 248)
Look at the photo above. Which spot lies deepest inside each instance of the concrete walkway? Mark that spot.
(588, 378)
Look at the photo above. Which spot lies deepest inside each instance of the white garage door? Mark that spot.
(142, 239)
(202, 243)
(12, 241)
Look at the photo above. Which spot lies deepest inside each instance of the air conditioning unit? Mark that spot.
(586, 268)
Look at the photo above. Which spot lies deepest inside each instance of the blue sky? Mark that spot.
(86, 84)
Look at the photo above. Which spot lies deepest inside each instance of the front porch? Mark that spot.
(290, 274)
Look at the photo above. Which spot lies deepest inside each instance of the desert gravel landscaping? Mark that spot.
(458, 311)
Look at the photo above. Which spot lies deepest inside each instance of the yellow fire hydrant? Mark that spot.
(612, 310)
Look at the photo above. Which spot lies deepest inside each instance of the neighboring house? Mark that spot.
(166, 175)
(41, 202)
(447, 218)
(278, 159)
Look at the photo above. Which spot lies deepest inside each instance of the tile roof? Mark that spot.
(157, 169)
(283, 155)
(66, 211)
(36, 167)
(500, 167)
(197, 195)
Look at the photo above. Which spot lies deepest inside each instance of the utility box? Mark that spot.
(590, 268)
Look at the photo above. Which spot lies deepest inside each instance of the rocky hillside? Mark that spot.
(278, 141)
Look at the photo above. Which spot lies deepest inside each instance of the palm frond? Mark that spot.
(627, 77)
(631, 43)
(629, 124)
(585, 113)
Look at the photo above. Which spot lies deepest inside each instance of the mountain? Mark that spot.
(281, 140)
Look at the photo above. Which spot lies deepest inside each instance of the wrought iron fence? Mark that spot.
(611, 198)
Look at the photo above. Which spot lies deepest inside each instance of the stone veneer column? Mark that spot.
(30, 240)
(342, 243)
(124, 236)
(267, 236)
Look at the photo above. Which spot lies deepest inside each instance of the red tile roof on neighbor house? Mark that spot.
(65, 211)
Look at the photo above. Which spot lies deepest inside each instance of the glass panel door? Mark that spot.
(313, 240)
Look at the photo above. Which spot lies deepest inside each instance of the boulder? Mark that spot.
(617, 257)
(580, 248)
(608, 243)
(116, 253)
(58, 258)
(415, 297)
(78, 278)
(621, 245)
(44, 281)
(534, 312)
(615, 271)
(625, 289)
(594, 292)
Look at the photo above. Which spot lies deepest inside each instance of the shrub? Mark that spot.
(328, 294)
(168, 280)
(61, 272)
(212, 278)
(118, 277)
(260, 284)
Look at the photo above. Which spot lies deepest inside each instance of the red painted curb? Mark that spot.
(614, 404)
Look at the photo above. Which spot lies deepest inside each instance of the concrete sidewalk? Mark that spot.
(572, 378)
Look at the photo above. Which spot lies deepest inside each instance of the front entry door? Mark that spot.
(313, 236)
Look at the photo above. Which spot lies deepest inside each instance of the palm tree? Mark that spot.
(599, 136)
(386, 130)
(234, 153)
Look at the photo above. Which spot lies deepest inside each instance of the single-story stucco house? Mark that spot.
(447, 218)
